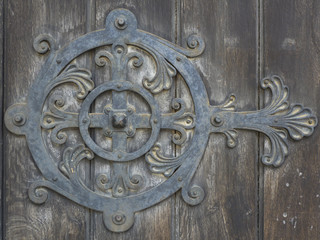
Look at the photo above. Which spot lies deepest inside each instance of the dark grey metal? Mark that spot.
(120, 120)
(105, 120)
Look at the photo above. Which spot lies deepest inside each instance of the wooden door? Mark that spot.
(245, 41)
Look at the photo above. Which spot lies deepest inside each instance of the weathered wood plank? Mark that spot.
(58, 218)
(292, 50)
(1, 112)
(228, 176)
(155, 17)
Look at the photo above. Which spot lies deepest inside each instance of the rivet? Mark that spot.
(58, 61)
(193, 43)
(49, 120)
(176, 136)
(104, 180)
(178, 59)
(121, 21)
(118, 85)
(85, 120)
(18, 118)
(179, 179)
(55, 179)
(188, 121)
(120, 190)
(119, 50)
(217, 119)
(310, 122)
(118, 218)
(119, 156)
(135, 180)
(155, 121)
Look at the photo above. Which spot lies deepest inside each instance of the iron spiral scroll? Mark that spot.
(46, 118)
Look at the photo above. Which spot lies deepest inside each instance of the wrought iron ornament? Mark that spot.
(46, 119)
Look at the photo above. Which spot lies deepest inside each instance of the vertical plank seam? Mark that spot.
(176, 35)
(2, 125)
(174, 201)
(260, 72)
(90, 25)
(258, 104)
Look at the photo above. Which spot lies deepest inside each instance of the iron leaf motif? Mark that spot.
(163, 78)
(161, 164)
(179, 121)
(79, 76)
(119, 184)
(70, 161)
(273, 120)
(119, 192)
(57, 119)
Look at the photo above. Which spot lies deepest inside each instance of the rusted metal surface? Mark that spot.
(119, 120)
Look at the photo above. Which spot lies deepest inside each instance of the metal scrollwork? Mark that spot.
(272, 120)
(121, 183)
(105, 128)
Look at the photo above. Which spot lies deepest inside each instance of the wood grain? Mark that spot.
(58, 218)
(290, 47)
(227, 66)
(292, 192)
(1, 113)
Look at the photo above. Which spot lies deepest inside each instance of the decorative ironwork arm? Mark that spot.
(276, 121)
